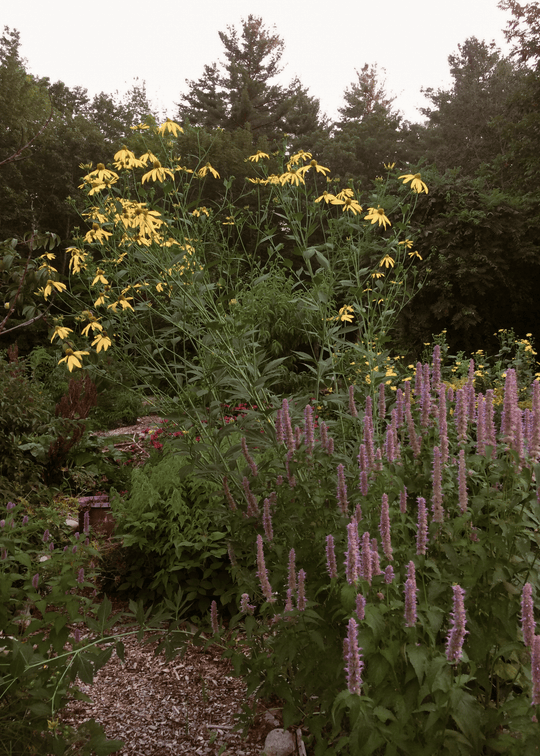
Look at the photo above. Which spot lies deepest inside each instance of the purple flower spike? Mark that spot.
(288, 603)
(262, 573)
(342, 490)
(535, 670)
(253, 508)
(228, 495)
(25, 520)
(2, 524)
(80, 576)
(301, 602)
(422, 531)
(410, 596)
(214, 618)
(352, 657)
(46, 536)
(352, 555)
(456, 636)
(249, 459)
(331, 565)
(4, 554)
(403, 500)
(360, 607)
(389, 575)
(384, 528)
(309, 438)
(437, 508)
(291, 577)
(35, 581)
(10, 505)
(366, 560)
(462, 480)
(245, 606)
(267, 520)
(528, 625)
(86, 526)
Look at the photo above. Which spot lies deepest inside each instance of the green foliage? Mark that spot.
(173, 533)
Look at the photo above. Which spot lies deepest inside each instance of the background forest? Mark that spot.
(477, 148)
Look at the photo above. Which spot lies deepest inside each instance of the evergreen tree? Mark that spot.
(241, 93)
(465, 126)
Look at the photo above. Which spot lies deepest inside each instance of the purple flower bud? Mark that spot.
(403, 500)
(437, 508)
(352, 554)
(25, 520)
(2, 524)
(77, 535)
(364, 483)
(228, 495)
(360, 607)
(342, 490)
(375, 561)
(443, 425)
(280, 430)
(389, 575)
(249, 459)
(366, 560)
(384, 528)
(262, 573)
(10, 505)
(535, 670)
(214, 618)
(352, 657)
(301, 602)
(253, 508)
(279, 480)
(35, 580)
(422, 530)
(358, 513)
(80, 576)
(74, 550)
(456, 636)
(46, 536)
(286, 420)
(4, 554)
(528, 625)
(291, 576)
(331, 566)
(330, 446)
(245, 606)
(410, 596)
(267, 520)
(309, 438)
(323, 429)
(51, 546)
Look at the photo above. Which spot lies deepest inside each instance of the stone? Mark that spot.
(279, 743)
(73, 524)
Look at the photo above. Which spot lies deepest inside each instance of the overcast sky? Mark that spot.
(104, 45)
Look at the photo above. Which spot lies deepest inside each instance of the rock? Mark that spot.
(269, 719)
(279, 743)
(73, 524)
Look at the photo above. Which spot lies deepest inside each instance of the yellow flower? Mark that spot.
(157, 173)
(73, 359)
(378, 274)
(389, 166)
(291, 177)
(124, 158)
(160, 286)
(102, 297)
(313, 164)
(139, 127)
(295, 159)
(346, 314)
(344, 193)
(417, 185)
(415, 254)
(387, 261)
(51, 286)
(376, 215)
(207, 169)
(102, 174)
(326, 196)
(170, 126)
(93, 325)
(201, 211)
(97, 233)
(61, 332)
(258, 156)
(102, 341)
(122, 301)
(407, 243)
(349, 204)
(99, 277)
(229, 221)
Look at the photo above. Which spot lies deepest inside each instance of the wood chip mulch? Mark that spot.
(189, 705)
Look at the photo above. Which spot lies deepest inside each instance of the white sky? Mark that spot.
(104, 45)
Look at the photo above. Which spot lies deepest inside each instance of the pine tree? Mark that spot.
(240, 92)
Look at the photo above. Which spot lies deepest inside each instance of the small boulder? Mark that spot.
(71, 523)
(279, 743)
